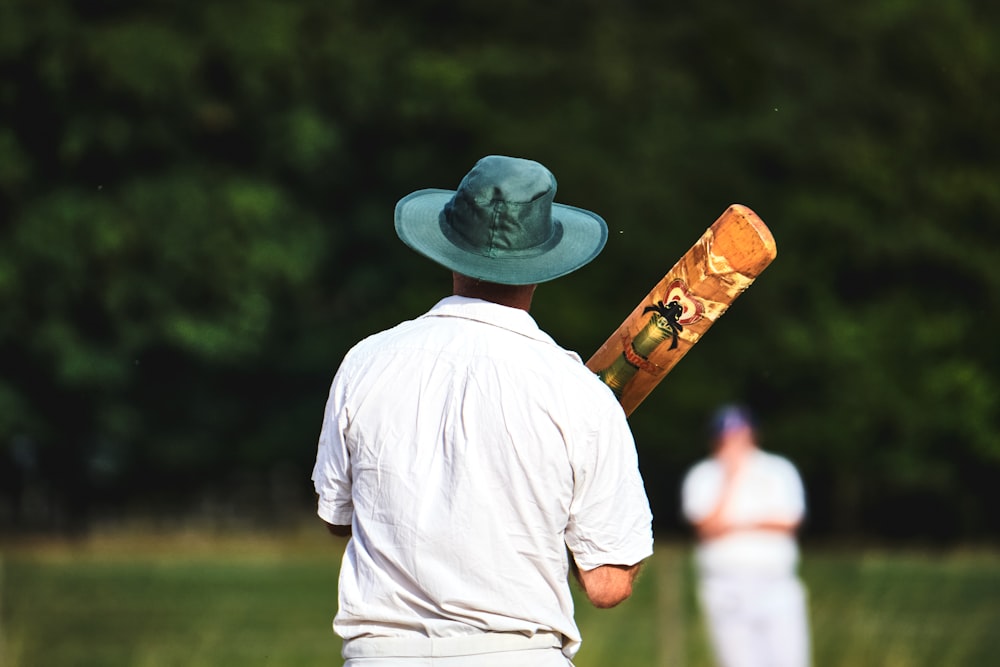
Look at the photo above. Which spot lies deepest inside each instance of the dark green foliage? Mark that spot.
(195, 224)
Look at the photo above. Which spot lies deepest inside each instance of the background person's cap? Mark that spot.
(729, 418)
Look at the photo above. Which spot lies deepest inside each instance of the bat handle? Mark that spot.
(635, 354)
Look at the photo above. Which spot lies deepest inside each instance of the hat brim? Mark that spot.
(418, 225)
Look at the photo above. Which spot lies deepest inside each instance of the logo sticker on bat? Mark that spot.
(680, 308)
(669, 316)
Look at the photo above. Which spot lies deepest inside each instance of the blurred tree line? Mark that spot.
(196, 223)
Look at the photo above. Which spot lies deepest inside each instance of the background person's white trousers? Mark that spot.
(487, 650)
(757, 621)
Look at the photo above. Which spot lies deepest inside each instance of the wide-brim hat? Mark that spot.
(501, 225)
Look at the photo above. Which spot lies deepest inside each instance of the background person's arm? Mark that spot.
(717, 522)
(717, 527)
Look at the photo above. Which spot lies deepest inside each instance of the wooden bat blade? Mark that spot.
(680, 308)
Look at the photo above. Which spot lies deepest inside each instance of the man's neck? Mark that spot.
(513, 296)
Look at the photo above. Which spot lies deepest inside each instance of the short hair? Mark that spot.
(729, 417)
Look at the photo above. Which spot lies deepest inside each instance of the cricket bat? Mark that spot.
(683, 305)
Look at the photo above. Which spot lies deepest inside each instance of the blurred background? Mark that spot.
(196, 204)
(196, 223)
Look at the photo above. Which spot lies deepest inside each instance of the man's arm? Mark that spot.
(338, 531)
(607, 585)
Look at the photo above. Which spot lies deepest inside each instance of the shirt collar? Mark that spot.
(505, 317)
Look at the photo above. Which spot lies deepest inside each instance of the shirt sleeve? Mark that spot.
(610, 521)
(792, 505)
(332, 472)
(700, 491)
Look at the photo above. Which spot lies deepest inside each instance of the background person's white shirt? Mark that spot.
(768, 488)
(462, 503)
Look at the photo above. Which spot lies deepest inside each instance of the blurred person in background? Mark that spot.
(746, 506)
(472, 461)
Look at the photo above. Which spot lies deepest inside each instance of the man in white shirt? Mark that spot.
(473, 462)
(746, 506)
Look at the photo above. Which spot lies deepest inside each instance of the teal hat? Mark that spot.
(501, 225)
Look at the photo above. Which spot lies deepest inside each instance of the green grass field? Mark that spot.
(191, 600)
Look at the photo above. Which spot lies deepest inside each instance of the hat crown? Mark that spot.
(503, 207)
(501, 225)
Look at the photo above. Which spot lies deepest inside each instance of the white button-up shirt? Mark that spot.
(468, 450)
(768, 488)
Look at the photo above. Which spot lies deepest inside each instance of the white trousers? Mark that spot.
(757, 621)
(488, 650)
